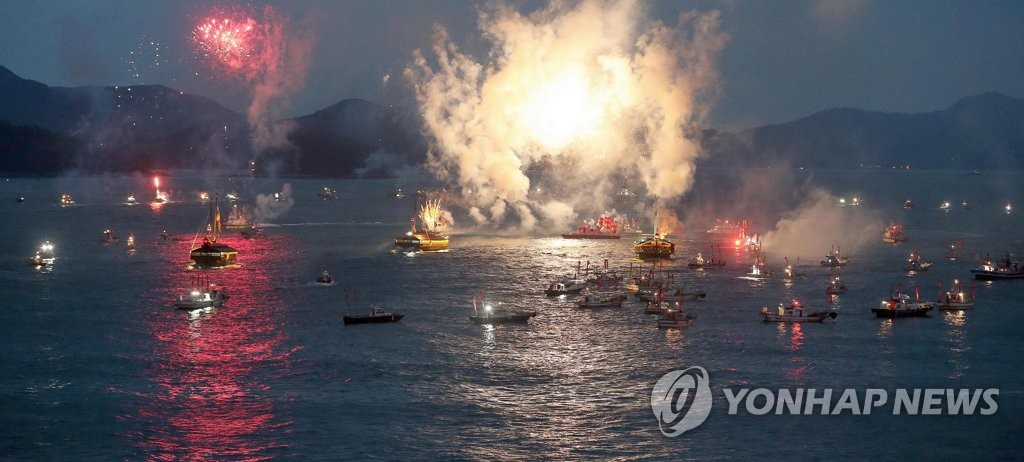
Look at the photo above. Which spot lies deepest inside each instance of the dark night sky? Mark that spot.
(785, 59)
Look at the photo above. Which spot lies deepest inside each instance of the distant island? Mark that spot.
(48, 130)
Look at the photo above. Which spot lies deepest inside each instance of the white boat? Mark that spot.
(202, 296)
(955, 298)
(565, 286)
(900, 306)
(131, 200)
(834, 259)
(795, 313)
(66, 200)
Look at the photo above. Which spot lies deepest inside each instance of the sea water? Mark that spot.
(96, 363)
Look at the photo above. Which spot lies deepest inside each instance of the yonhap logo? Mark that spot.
(681, 400)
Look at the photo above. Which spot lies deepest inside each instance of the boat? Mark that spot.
(908, 204)
(131, 242)
(489, 315)
(324, 279)
(1008, 208)
(678, 295)
(654, 248)
(231, 197)
(611, 302)
(43, 257)
(917, 264)
(759, 270)
(945, 206)
(792, 273)
(204, 197)
(893, 233)
(431, 237)
(835, 287)
(565, 286)
(955, 250)
(965, 205)
(252, 232)
(213, 254)
(900, 306)
(659, 307)
(20, 199)
(238, 218)
(326, 194)
(202, 296)
(675, 318)
(377, 316)
(725, 230)
(605, 228)
(164, 235)
(131, 200)
(795, 313)
(700, 262)
(1002, 269)
(955, 298)
(603, 278)
(108, 237)
(834, 259)
(66, 200)
(397, 194)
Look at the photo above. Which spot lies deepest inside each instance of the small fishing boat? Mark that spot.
(900, 306)
(795, 313)
(835, 287)
(565, 286)
(700, 262)
(397, 194)
(955, 298)
(917, 264)
(678, 295)
(945, 206)
(202, 296)
(759, 270)
(965, 205)
(131, 242)
(131, 200)
(834, 259)
(108, 237)
(252, 232)
(324, 279)
(1002, 269)
(66, 200)
(238, 218)
(43, 257)
(893, 233)
(955, 250)
(675, 319)
(377, 316)
(326, 194)
(659, 307)
(604, 278)
(611, 302)
(908, 204)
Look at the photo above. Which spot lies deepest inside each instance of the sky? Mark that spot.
(782, 59)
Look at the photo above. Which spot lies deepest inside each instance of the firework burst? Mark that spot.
(229, 40)
(432, 215)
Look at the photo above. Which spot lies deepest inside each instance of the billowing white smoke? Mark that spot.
(269, 207)
(819, 224)
(594, 80)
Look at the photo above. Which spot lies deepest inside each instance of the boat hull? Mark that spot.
(422, 242)
(590, 236)
(819, 316)
(516, 318)
(214, 256)
(955, 306)
(996, 276)
(614, 302)
(901, 313)
(372, 319)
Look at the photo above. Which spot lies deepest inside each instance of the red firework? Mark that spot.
(230, 40)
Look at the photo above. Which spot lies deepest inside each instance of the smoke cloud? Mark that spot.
(269, 207)
(593, 90)
(819, 224)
